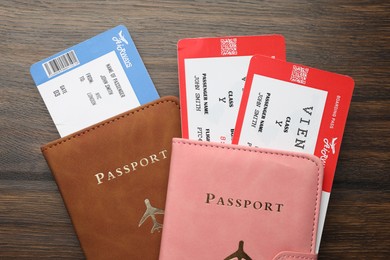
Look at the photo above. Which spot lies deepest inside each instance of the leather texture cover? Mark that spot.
(113, 178)
(233, 202)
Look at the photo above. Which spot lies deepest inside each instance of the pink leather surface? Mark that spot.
(295, 256)
(195, 229)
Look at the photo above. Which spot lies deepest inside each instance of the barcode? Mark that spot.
(229, 46)
(299, 74)
(61, 63)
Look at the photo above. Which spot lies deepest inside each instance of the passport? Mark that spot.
(233, 202)
(113, 179)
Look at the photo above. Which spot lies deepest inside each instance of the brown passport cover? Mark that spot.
(110, 172)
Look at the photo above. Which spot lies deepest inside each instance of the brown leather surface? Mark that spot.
(106, 216)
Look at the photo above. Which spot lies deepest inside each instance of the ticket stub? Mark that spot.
(212, 74)
(94, 80)
(296, 108)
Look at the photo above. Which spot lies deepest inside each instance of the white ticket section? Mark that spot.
(321, 221)
(88, 94)
(213, 91)
(282, 115)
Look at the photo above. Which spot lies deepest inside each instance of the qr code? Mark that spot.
(299, 74)
(229, 46)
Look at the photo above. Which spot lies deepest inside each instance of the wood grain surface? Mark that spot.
(347, 37)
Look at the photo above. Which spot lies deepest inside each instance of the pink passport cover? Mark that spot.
(234, 202)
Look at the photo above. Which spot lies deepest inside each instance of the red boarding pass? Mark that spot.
(212, 75)
(296, 108)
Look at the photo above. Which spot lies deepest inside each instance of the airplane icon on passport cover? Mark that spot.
(151, 212)
(239, 254)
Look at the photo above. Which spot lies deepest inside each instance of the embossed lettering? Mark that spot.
(99, 176)
(211, 198)
(131, 167)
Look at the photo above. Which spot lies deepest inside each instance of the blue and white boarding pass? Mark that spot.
(93, 80)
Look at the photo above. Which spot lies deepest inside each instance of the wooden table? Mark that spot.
(348, 37)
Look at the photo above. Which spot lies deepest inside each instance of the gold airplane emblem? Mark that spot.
(239, 254)
(151, 212)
